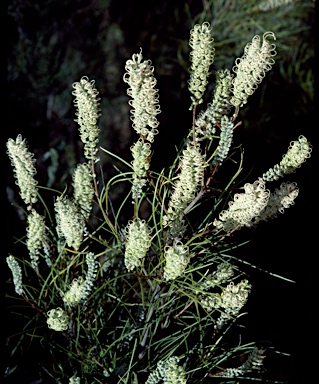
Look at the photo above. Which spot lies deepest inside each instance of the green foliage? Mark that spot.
(154, 297)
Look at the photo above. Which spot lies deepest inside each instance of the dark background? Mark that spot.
(51, 44)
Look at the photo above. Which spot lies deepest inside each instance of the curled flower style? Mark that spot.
(145, 102)
(177, 259)
(83, 188)
(73, 296)
(16, 274)
(87, 104)
(70, 222)
(189, 179)
(169, 371)
(35, 236)
(201, 56)
(226, 136)
(141, 152)
(245, 207)
(233, 298)
(223, 273)
(24, 170)
(279, 200)
(138, 243)
(58, 319)
(251, 68)
(298, 152)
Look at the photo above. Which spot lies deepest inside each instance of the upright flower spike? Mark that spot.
(24, 170)
(145, 103)
(201, 56)
(87, 105)
(141, 152)
(83, 188)
(70, 222)
(138, 243)
(220, 106)
(226, 136)
(35, 236)
(251, 68)
(189, 179)
(177, 259)
(93, 266)
(16, 274)
(298, 152)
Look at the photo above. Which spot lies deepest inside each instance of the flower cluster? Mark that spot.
(251, 68)
(245, 207)
(145, 103)
(189, 179)
(233, 298)
(279, 200)
(58, 319)
(223, 273)
(35, 236)
(298, 152)
(141, 152)
(70, 222)
(83, 188)
(169, 371)
(24, 170)
(176, 258)
(207, 120)
(73, 296)
(201, 56)
(137, 244)
(266, 5)
(87, 104)
(16, 274)
(224, 144)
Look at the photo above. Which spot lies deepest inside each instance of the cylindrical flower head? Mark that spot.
(201, 56)
(234, 297)
(70, 222)
(138, 243)
(58, 319)
(87, 104)
(145, 104)
(141, 152)
(298, 152)
(24, 170)
(16, 274)
(281, 199)
(226, 136)
(251, 68)
(245, 207)
(93, 266)
(177, 259)
(83, 188)
(190, 178)
(35, 236)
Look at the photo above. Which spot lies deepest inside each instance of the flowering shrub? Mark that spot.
(150, 298)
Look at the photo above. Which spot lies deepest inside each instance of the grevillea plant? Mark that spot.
(148, 293)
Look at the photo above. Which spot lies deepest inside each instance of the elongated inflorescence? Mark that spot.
(70, 222)
(16, 274)
(169, 372)
(202, 56)
(144, 96)
(87, 106)
(35, 236)
(298, 152)
(251, 68)
(24, 170)
(83, 188)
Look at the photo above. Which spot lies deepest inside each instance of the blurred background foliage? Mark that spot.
(53, 43)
